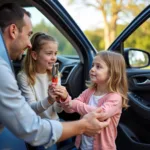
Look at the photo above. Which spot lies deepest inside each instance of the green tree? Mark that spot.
(96, 37)
(65, 47)
(140, 38)
(111, 11)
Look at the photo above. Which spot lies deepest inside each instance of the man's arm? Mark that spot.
(89, 125)
(19, 118)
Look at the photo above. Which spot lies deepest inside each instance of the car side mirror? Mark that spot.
(136, 58)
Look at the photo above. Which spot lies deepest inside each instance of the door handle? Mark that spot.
(146, 82)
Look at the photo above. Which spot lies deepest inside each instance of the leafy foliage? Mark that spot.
(139, 39)
(65, 47)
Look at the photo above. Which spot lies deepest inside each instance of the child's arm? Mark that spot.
(66, 104)
(80, 107)
(75, 105)
(57, 107)
(29, 94)
(63, 97)
(111, 106)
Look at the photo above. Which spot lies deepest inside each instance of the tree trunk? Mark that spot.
(106, 36)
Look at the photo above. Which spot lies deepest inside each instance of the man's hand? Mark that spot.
(93, 125)
(88, 125)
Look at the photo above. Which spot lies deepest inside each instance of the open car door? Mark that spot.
(134, 126)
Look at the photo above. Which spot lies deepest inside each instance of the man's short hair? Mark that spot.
(12, 13)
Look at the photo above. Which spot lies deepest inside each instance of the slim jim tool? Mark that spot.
(55, 70)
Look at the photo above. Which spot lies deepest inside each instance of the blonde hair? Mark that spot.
(29, 64)
(117, 72)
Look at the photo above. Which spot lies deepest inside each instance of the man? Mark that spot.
(15, 113)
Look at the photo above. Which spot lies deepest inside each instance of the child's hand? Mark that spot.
(51, 95)
(60, 91)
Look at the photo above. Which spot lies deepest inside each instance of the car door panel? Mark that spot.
(139, 86)
(138, 79)
(131, 140)
(134, 125)
(139, 105)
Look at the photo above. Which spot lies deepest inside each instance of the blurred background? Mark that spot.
(101, 21)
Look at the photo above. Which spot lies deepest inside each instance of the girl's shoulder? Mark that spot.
(22, 74)
(22, 77)
(88, 91)
(114, 95)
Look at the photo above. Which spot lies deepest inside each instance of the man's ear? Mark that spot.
(13, 31)
(34, 55)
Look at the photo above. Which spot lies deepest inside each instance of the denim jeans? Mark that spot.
(65, 142)
(53, 147)
(74, 149)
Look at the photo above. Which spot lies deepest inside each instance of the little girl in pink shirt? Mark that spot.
(107, 89)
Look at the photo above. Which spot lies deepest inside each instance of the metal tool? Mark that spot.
(55, 71)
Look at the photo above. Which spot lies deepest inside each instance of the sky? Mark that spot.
(86, 18)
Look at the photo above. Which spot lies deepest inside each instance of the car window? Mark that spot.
(42, 24)
(139, 39)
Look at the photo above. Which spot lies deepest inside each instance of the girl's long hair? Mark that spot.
(117, 81)
(29, 64)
